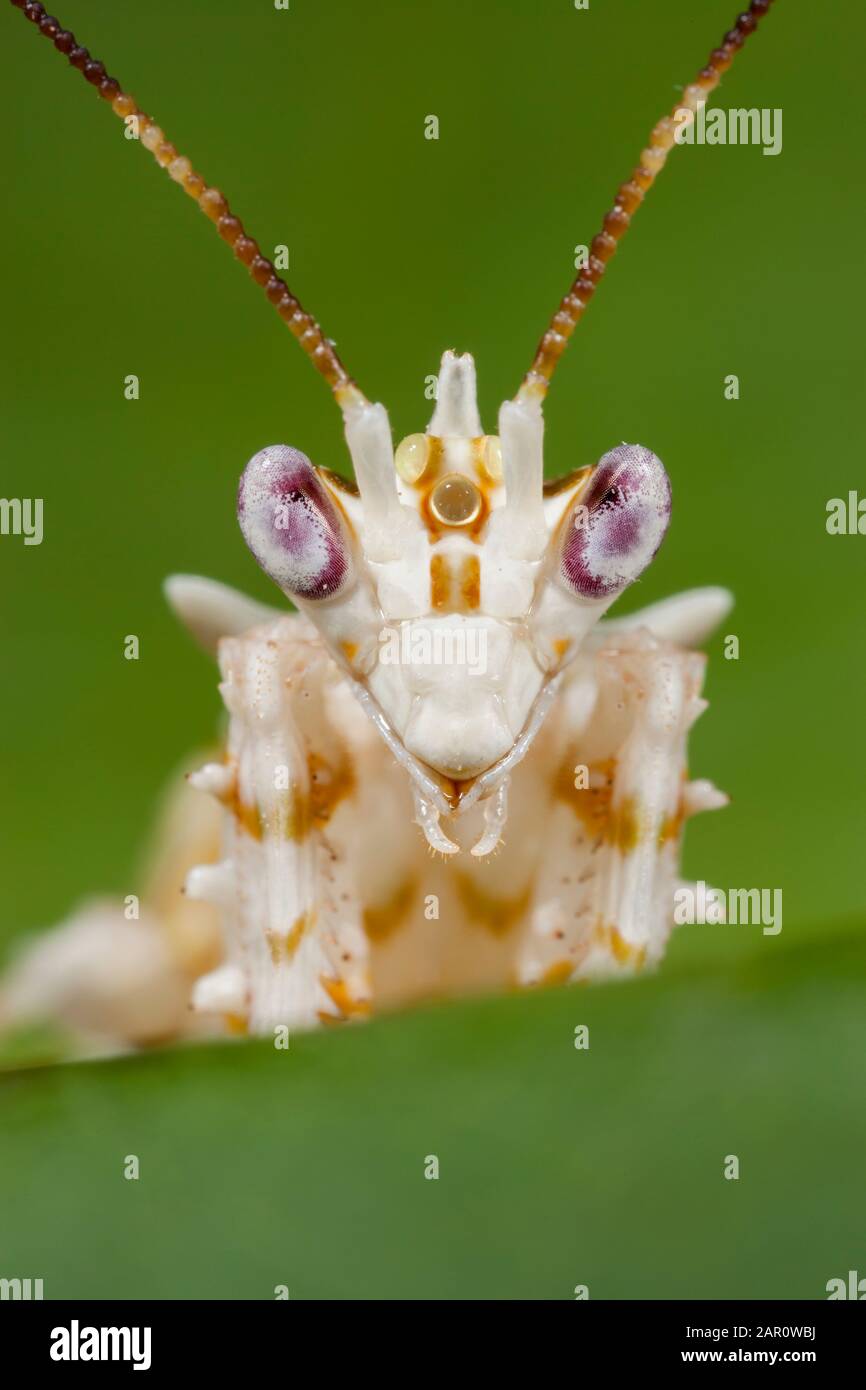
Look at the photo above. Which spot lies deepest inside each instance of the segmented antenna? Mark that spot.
(212, 202)
(628, 199)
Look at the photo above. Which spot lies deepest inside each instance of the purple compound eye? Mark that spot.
(619, 523)
(291, 525)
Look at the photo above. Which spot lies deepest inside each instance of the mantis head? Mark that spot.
(451, 587)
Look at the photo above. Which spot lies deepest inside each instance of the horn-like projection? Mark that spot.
(368, 435)
(456, 410)
(521, 438)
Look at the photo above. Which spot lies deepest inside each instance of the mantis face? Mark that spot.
(449, 589)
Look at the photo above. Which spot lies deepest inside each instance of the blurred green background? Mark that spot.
(312, 122)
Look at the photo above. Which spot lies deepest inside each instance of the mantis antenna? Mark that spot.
(212, 202)
(628, 199)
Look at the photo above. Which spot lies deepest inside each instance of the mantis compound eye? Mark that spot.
(292, 526)
(618, 523)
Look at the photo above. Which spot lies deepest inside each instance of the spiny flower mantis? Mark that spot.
(446, 676)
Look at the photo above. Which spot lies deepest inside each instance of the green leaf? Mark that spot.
(557, 1166)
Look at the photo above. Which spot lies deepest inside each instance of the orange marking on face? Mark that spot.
(470, 582)
(561, 646)
(337, 481)
(334, 486)
(435, 458)
(553, 486)
(236, 1024)
(440, 581)
(349, 650)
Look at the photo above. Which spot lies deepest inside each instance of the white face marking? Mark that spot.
(457, 691)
